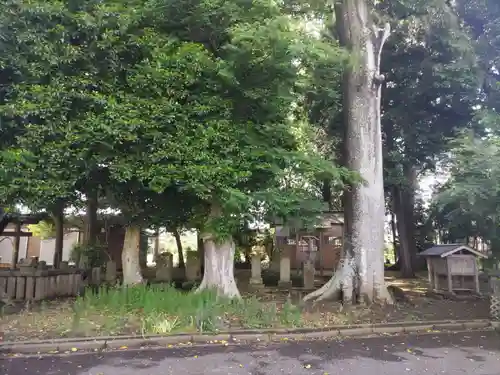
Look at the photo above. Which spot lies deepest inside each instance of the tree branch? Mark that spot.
(380, 36)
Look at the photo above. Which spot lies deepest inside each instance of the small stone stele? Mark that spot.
(110, 275)
(309, 273)
(256, 279)
(164, 267)
(32, 262)
(193, 269)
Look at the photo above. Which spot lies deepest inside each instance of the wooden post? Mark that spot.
(476, 277)
(320, 251)
(450, 278)
(430, 274)
(17, 242)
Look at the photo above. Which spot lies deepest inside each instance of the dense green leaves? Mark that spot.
(157, 103)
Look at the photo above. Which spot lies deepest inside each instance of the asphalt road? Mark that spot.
(471, 353)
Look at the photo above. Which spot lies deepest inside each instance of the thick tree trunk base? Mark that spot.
(218, 271)
(132, 274)
(345, 285)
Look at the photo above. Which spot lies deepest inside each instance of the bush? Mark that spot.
(162, 309)
(94, 255)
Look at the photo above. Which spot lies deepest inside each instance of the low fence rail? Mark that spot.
(495, 295)
(35, 284)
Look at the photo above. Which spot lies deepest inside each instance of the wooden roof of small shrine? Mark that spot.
(446, 250)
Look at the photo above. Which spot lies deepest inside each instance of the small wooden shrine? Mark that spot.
(322, 244)
(453, 268)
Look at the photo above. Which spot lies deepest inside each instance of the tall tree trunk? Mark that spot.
(361, 272)
(91, 230)
(132, 273)
(218, 271)
(405, 254)
(180, 250)
(156, 249)
(4, 219)
(17, 245)
(58, 216)
(200, 248)
(326, 192)
(394, 233)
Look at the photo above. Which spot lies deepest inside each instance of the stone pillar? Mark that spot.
(285, 280)
(164, 267)
(192, 266)
(110, 275)
(309, 272)
(256, 279)
(95, 276)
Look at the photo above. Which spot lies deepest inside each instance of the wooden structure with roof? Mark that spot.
(322, 244)
(453, 268)
(19, 220)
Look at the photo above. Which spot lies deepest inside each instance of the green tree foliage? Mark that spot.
(466, 205)
(163, 106)
(469, 199)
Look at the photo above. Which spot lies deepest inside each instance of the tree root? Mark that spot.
(229, 290)
(335, 284)
(328, 290)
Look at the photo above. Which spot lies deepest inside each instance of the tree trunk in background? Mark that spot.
(405, 255)
(404, 201)
(91, 223)
(218, 271)
(16, 245)
(394, 232)
(361, 273)
(58, 216)
(200, 248)
(132, 273)
(326, 192)
(180, 251)
(156, 249)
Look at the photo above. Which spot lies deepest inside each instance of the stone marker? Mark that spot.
(285, 280)
(192, 266)
(256, 279)
(309, 272)
(164, 267)
(95, 276)
(110, 275)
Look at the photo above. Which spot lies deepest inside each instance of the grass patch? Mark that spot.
(161, 309)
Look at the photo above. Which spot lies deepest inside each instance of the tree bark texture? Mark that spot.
(200, 248)
(404, 203)
(17, 243)
(218, 273)
(58, 216)
(132, 273)
(156, 250)
(91, 223)
(180, 250)
(361, 273)
(394, 234)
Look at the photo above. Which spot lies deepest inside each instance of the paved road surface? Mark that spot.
(472, 353)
